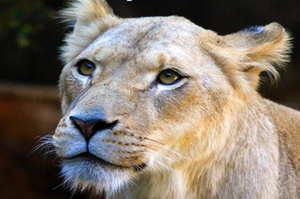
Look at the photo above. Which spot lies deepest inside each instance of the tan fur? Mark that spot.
(210, 135)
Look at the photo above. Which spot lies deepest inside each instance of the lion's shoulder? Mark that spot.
(287, 124)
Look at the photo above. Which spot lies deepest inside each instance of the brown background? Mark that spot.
(29, 104)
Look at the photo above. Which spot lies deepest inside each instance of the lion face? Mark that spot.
(152, 94)
(131, 103)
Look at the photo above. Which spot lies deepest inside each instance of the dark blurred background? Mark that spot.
(30, 36)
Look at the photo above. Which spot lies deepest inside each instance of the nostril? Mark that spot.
(100, 125)
(89, 127)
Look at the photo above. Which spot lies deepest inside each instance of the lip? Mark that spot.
(92, 158)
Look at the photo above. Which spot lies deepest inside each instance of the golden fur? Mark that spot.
(208, 135)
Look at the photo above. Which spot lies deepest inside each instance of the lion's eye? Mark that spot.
(85, 67)
(168, 77)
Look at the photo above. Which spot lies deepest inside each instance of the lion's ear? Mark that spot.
(90, 18)
(245, 54)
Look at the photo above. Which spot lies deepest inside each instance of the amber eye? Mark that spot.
(168, 77)
(86, 67)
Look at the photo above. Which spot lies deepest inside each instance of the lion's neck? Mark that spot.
(186, 183)
(163, 184)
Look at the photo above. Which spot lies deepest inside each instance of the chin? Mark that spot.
(81, 174)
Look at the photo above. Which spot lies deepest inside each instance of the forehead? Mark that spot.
(134, 38)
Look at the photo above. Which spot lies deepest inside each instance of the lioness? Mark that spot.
(158, 107)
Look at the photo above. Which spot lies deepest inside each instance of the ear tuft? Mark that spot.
(85, 10)
(90, 18)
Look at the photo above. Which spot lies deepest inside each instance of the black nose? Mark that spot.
(88, 127)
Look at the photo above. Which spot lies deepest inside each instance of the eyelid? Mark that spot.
(76, 61)
(183, 75)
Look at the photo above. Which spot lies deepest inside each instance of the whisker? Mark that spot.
(151, 148)
(177, 153)
(162, 154)
(58, 186)
(44, 141)
(54, 159)
(136, 166)
(169, 149)
(46, 144)
(154, 141)
(150, 156)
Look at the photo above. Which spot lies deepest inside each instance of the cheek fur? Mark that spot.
(174, 103)
(71, 86)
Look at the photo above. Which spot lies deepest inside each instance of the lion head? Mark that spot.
(143, 95)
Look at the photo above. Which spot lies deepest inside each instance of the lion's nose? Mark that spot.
(88, 127)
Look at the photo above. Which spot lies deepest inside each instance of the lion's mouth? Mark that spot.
(92, 158)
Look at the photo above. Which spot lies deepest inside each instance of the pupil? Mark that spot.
(89, 66)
